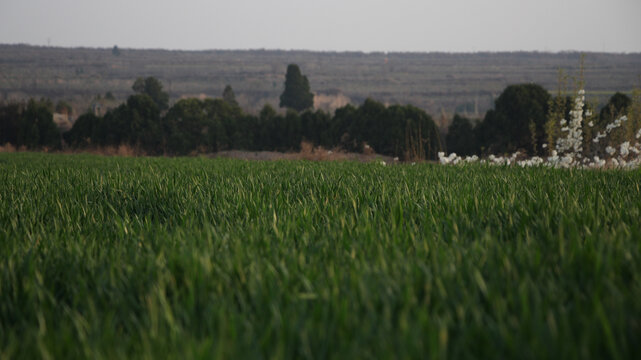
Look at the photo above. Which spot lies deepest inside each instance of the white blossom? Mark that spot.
(568, 150)
(572, 144)
(566, 161)
(473, 158)
(624, 150)
(598, 162)
(450, 159)
(598, 136)
(533, 161)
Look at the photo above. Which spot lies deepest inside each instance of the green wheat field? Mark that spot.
(107, 257)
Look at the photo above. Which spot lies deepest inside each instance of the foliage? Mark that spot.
(229, 96)
(10, 119)
(517, 111)
(187, 127)
(63, 107)
(106, 257)
(570, 150)
(226, 123)
(634, 116)
(402, 131)
(617, 105)
(296, 95)
(85, 129)
(192, 125)
(143, 126)
(210, 125)
(316, 128)
(559, 109)
(153, 88)
(461, 138)
(341, 125)
(135, 123)
(36, 128)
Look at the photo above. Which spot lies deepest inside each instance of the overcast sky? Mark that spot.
(341, 25)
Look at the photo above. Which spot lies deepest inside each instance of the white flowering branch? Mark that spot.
(568, 152)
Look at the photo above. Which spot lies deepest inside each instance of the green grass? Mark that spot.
(191, 257)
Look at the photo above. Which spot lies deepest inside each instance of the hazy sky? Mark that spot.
(365, 25)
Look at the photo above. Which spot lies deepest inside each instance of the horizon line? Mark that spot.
(567, 51)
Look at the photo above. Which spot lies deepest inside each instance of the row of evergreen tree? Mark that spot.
(29, 125)
(145, 121)
(524, 118)
(211, 125)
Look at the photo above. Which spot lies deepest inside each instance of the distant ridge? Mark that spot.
(439, 82)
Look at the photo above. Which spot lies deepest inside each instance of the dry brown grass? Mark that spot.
(367, 150)
(120, 150)
(309, 152)
(8, 148)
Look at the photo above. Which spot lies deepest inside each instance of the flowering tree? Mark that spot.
(569, 149)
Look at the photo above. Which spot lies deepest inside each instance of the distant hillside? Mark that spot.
(436, 82)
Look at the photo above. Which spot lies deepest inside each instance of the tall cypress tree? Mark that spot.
(297, 95)
(229, 96)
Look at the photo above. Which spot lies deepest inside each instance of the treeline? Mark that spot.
(527, 118)
(211, 125)
(29, 125)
